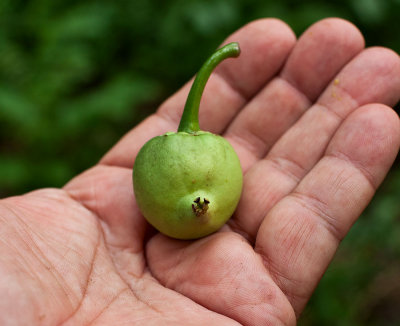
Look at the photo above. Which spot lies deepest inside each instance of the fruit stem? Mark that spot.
(190, 117)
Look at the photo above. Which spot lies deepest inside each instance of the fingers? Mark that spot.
(317, 57)
(222, 273)
(333, 42)
(259, 125)
(306, 141)
(300, 235)
(265, 45)
(372, 76)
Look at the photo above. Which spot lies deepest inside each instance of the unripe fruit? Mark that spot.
(187, 184)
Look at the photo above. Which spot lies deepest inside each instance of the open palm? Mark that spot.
(312, 125)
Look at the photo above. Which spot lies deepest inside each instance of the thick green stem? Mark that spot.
(190, 117)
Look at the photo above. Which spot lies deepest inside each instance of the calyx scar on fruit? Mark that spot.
(188, 183)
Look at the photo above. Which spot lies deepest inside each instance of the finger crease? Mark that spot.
(288, 167)
(357, 165)
(295, 88)
(353, 103)
(244, 143)
(319, 209)
(300, 93)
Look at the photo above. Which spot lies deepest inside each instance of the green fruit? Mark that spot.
(187, 184)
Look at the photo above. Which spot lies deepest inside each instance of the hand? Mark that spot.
(311, 123)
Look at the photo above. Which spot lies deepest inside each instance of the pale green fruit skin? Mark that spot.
(172, 170)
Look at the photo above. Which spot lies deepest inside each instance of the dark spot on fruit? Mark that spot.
(200, 207)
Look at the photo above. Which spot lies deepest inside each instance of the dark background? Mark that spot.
(76, 75)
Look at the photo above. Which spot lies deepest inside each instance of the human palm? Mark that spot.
(311, 123)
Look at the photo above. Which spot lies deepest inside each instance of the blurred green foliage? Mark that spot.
(76, 75)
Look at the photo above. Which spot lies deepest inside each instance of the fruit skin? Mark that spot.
(188, 184)
(171, 171)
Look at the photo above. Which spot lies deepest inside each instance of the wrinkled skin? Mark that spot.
(312, 125)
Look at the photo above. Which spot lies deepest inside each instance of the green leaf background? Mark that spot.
(76, 75)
